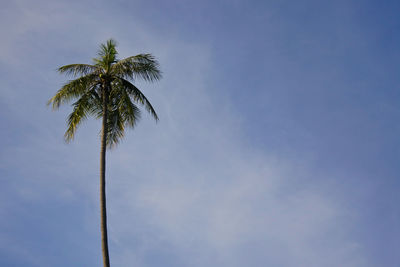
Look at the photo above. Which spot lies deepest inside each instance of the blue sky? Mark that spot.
(278, 141)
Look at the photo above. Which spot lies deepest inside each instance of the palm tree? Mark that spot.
(103, 89)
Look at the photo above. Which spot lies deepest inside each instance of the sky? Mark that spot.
(278, 140)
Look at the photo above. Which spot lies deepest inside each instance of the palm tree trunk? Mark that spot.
(104, 238)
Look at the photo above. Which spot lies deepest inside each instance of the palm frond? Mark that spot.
(137, 96)
(109, 48)
(121, 112)
(130, 112)
(115, 128)
(78, 69)
(73, 89)
(107, 55)
(83, 107)
(142, 66)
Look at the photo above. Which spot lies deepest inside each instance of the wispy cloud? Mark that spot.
(192, 185)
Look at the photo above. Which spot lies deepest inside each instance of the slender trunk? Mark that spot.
(104, 239)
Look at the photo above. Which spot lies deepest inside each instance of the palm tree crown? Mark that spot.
(107, 77)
